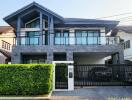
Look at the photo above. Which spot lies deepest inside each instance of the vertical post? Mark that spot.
(51, 31)
(115, 58)
(70, 77)
(48, 30)
(41, 29)
(18, 30)
(49, 57)
(69, 56)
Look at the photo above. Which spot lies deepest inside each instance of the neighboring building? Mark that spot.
(44, 36)
(6, 42)
(125, 34)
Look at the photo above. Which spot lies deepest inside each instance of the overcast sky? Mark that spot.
(76, 8)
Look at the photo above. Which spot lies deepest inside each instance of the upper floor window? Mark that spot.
(35, 23)
(127, 44)
(61, 37)
(87, 37)
(31, 38)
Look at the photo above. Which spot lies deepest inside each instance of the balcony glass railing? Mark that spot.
(41, 40)
(86, 40)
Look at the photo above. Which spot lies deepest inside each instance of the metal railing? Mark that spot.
(6, 45)
(89, 40)
(102, 75)
(86, 40)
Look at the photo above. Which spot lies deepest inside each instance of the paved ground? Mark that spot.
(95, 93)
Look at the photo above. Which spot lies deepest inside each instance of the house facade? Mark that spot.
(6, 43)
(125, 33)
(44, 36)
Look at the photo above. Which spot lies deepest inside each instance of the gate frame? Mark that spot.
(70, 70)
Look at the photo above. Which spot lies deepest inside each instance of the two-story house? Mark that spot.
(125, 34)
(44, 36)
(6, 42)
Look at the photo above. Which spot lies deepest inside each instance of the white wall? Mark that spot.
(126, 36)
(89, 60)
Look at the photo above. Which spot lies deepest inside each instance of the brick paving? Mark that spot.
(95, 93)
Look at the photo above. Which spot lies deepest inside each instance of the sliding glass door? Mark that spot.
(31, 38)
(87, 37)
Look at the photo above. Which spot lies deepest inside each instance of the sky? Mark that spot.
(90, 9)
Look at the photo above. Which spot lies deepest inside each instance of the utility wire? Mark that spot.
(115, 15)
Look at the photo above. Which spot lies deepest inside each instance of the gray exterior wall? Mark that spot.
(70, 50)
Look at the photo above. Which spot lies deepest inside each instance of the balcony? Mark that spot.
(86, 40)
(41, 40)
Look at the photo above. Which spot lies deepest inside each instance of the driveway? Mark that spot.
(95, 93)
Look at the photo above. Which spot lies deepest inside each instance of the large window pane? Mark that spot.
(33, 24)
(32, 38)
(66, 37)
(78, 37)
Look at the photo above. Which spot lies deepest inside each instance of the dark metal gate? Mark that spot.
(102, 75)
(61, 76)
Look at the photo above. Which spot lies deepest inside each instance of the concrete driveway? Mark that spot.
(95, 93)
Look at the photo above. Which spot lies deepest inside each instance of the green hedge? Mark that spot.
(25, 79)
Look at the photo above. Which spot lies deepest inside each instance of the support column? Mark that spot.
(69, 55)
(118, 58)
(50, 57)
(115, 58)
(41, 29)
(18, 30)
(121, 54)
(121, 57)
(51, 30)
(16, 57)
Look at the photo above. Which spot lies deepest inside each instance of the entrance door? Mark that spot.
(61, 76)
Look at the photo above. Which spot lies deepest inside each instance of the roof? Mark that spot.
(5, 28)
(88, 21)
(127, 29)
(65, 21)
(29, 6)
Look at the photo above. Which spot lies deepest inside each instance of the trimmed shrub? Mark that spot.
(25, 79)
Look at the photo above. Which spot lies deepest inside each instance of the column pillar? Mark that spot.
(51, 30)
(41, 29)
(16, 57)
(121, 57)
(121, 54)
(69, 55)
(115, 58)
(49, 56)
(18, 30)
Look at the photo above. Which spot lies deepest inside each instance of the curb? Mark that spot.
(27, 98)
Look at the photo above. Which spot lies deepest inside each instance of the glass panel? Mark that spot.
(58, 38)
(78, 33)
(84, 33)
(78, 37)
(84, 40)
(90, 37)
(23, 40)
(32, 38)
(96, 34)
(33, 24)
(58, 34)
(96, 37)
(66, 35)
